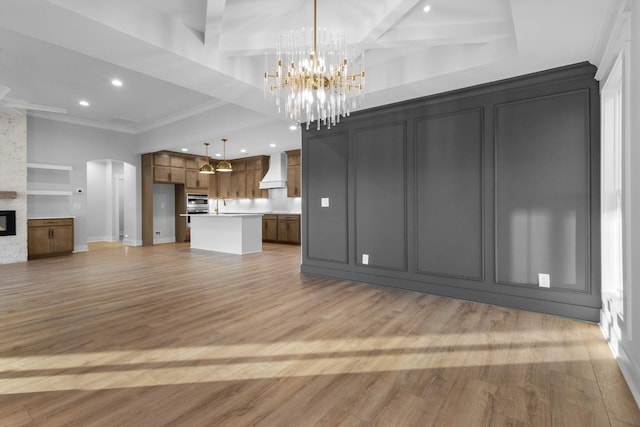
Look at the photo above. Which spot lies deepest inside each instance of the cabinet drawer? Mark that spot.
(269, 216)
(289, 217)
(49, 222)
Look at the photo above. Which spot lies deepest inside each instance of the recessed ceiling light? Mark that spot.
(116, 82)
(185, 149)
(218, 155)
(293, 127)
(272, 145)
(84, 103)
(243, 150)
(427, 8)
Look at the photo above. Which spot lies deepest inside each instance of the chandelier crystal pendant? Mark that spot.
(312, 80)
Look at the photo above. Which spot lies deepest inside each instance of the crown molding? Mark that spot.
(135, 129)
(613, 33)
(78, 121)
(198, 109)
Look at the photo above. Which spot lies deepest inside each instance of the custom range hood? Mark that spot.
(276, 176)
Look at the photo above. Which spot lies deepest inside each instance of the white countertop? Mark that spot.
(245, 213)
(52, 217)
(224, 215)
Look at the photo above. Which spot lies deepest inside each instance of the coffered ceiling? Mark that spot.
(178, 58)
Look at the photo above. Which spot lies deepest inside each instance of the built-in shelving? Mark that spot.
(49, 167)
(47, 174)
(8, 195)
(49, 192)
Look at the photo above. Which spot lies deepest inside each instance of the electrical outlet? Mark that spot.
(544, 280)
(365, 259)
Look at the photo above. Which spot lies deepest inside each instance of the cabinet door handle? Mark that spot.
(169, 176)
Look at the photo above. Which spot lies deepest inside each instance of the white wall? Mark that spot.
(630, 360)
(620, 320)
(55, 142)
(13, 177)
(96, 212)
(103, 208)
(132, 216)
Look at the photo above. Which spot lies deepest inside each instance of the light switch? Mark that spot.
(365, 259)
(324, 202)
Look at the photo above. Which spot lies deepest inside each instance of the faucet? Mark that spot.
(217, 210)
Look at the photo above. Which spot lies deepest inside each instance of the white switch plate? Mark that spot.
(544, 281)
(365, 259)
(324, 202)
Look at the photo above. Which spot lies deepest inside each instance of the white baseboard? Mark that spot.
(630, 371)
(81, 248)
(132, 242)
(158, 240)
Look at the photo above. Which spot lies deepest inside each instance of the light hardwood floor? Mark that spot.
(165, 335)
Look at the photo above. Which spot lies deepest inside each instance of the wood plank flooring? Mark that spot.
(163, 335)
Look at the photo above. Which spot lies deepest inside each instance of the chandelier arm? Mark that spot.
(315, 35)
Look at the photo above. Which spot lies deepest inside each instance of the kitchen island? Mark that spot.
(231, 233)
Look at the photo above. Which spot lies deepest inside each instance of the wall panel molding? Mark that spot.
(547, 190)
(380, 180)
(501, 183)
(450, 194)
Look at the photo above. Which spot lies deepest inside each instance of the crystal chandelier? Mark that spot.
(311, 81)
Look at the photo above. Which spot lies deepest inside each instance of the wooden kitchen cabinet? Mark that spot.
(167, 159)
(281, 228)
(168, 175)
(224, 184)
(194, 162)
(238, 180)
(294, 175)
(50, 237)
(269, 228)
(213, 186)
(256, 169)
(196, 180)
(289, 229)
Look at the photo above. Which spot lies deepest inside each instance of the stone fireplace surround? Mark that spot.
(13, 183)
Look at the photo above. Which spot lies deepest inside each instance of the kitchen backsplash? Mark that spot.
(277, 202)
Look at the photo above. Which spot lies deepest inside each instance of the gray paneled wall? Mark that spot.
(469, 194)
(327, 239)
(380, 195)
(542, 193)
(449, 194)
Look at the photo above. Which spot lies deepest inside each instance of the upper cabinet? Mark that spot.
(238, 181)
(168, 168)
(194, 180)
(294, 169)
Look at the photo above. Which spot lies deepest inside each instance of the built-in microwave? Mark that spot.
(197, 203)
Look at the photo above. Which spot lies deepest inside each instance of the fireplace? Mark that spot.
(7, 223)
